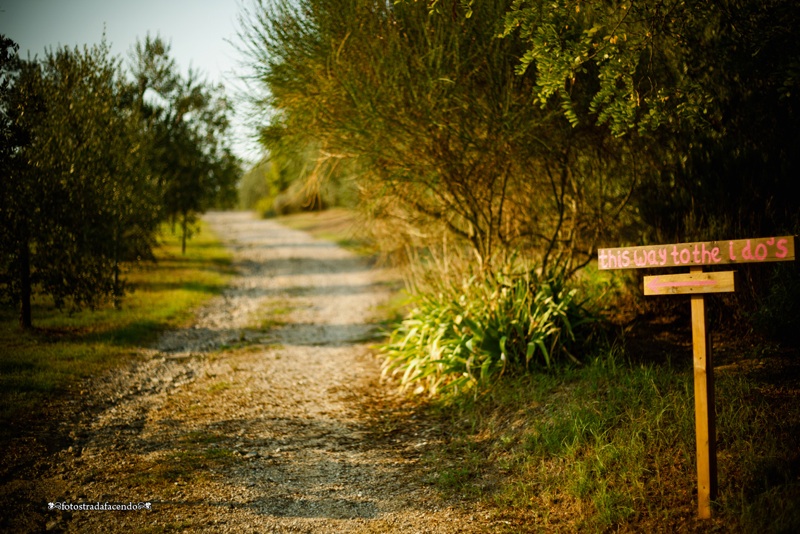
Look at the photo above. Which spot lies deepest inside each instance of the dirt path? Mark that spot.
(254, 419)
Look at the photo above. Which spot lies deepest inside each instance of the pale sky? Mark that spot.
(202, 33)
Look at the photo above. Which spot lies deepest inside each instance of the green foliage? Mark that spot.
(586, 123)
(624, 63)
(707, 90)
(12, 137)
(470, 335)
(255, 186)
(708, 87)
(78, 200)
(91, 168)
(189, 120)
(433, 125)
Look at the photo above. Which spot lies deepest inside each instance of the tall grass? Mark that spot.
(468, 334)
(339, 225)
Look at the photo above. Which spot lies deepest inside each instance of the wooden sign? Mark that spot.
(696, 254)
(690, 283)
(696, 283)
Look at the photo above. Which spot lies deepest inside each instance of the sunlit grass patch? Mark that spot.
(272, 314)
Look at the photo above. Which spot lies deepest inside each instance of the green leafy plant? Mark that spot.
(466, 335)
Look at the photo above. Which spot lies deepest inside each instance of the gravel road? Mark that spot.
(263, 416)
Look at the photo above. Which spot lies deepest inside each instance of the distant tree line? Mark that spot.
(93, 159)
(540, 129)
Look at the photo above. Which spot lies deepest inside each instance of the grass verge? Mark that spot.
(64, 348)
(610, 447)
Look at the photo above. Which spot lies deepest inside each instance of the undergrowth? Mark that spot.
(610, 446)
(546, 427)
(459, 336)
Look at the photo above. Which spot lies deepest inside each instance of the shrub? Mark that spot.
(467, 335)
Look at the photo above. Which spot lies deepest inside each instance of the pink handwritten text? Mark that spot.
(696, 254)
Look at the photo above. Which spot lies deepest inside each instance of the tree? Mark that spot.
(189, 121)
(17, 92)
(709, 88)
(426, 110)
(77, 200)
(709, 91)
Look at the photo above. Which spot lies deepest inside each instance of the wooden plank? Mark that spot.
(705, 424)
(690, 283)
(698, 254)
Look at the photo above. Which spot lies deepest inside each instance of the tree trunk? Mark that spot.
(25, 320)
(183, 238)
(117, 289)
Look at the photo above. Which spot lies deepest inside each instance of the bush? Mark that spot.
(777, 315)
(461, 337)
(255, 187)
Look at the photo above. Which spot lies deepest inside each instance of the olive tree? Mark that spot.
(77, 199)
(189, 121)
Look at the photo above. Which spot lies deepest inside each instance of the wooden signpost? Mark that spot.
(697, 283)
